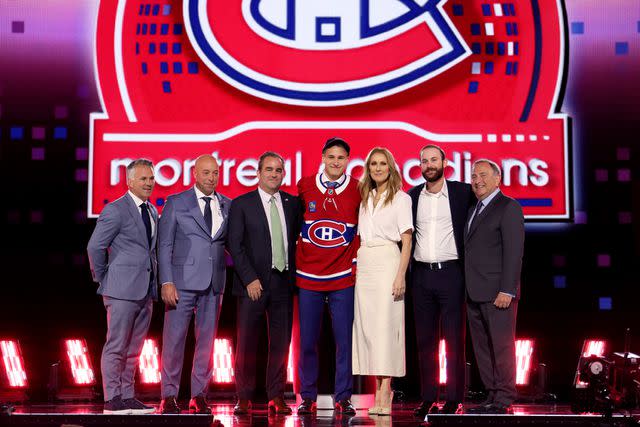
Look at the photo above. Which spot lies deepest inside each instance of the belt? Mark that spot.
(378, 242)
(439, 265)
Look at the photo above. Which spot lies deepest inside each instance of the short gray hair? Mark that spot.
(137, 162)
(494, 165)
(269, 154)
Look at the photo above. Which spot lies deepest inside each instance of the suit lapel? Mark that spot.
(286, 208)
(154, 216)
(196, 213)
(484, 214)
(137, 218)
(224, 212)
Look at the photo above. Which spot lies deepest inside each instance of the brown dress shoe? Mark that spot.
(168, 405)
(278, 406)
(198, 405)
(307, 407)
(243, 407)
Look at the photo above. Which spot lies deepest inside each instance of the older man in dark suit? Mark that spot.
(123, 261)
(494, 245)
(263, 228)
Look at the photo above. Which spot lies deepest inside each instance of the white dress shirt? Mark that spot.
(138, 201)
(266, 204)
(385, 222)
(216, 214)
(435, 241)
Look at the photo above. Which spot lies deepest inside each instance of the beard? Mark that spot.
(439, 172)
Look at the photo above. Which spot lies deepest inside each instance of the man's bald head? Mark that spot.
(205, 173)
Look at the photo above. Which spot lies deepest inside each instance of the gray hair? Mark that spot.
(137, 162)
(494, 165)
(269, 154)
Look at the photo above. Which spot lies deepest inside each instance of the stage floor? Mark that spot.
(524, 415)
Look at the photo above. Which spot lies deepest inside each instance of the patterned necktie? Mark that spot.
(331, 184)
(208, 216)
(277, 240)
(144, 211)
(476, 213)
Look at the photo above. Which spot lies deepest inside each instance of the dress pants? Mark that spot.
(127, 326)
(277, 302)
(493, 334)
(311, 308)
(206, 306)
(438, 306)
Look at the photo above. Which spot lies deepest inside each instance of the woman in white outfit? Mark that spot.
(385, 221)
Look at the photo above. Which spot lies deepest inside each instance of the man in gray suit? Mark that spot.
(494, 244)
(122, 257)
(191, 242)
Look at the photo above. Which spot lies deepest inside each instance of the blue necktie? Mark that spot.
(144, 211)
(331, 184)
(208, 216)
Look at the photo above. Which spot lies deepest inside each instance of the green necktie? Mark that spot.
(277, 241)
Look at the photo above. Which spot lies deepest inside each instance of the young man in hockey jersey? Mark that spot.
(325, 260)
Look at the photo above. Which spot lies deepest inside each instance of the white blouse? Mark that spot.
(385, 222)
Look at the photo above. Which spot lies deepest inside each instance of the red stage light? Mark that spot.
(223, 361)
(442, 359)
(149, 366)
(593, 348)
(290, 364)
(79, 362)
(524, 352)
(13, 363)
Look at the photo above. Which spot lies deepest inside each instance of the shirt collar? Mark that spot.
(200, 194)
(490, 197)
(324, 178)
(137, 200)
(266, 197)
(444, 191)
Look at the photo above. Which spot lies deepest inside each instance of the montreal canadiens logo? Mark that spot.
(327, 234)
(323, 52)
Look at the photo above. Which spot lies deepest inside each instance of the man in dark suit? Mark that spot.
(122, 257)
(494, 244)
(263, 228)
(191, 241)
(439, 215)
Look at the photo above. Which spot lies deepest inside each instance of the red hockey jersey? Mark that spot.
(328, 242)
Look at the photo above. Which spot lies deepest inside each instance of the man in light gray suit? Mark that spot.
(494, 244)
(191, 242)
(122, 257)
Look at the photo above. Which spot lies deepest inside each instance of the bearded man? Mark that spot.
(440, 210)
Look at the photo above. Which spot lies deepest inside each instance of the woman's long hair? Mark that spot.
(367, 184)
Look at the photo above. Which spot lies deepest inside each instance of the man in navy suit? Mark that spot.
(263, 228)
(191, 242)
(122, 257)
(440, 209)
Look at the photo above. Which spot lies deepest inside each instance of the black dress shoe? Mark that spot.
(451, 407)
(345, 407)
(243, 407)
(426, 407)
(198, 405)
(168, 405)
(499, 408)
(307, 407)
(480, 409)
(278, 406)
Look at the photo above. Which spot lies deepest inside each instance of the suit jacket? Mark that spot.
(120, 257)
(494, 246)
(461, 198)
(187, 254)
(249, 239)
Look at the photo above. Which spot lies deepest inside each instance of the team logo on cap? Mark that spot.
(323, 53)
